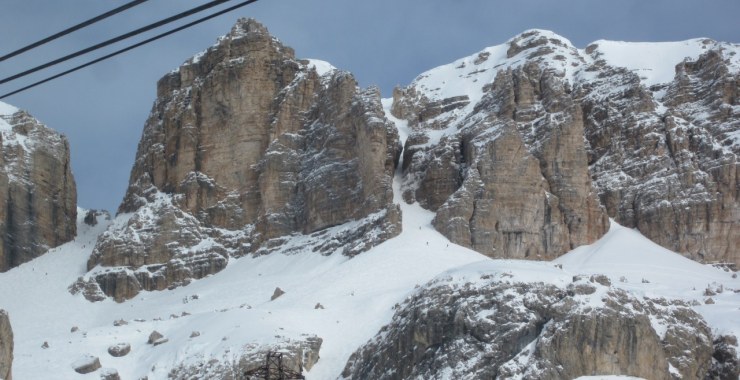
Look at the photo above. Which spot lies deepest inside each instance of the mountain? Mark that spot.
(38, 196)
(498, 217)
(524, 148)
(246, 146)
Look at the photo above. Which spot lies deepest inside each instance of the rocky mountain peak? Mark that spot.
(537, 42)
(245, 147)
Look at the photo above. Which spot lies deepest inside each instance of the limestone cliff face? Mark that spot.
(524, 149)
(510, 177)
(38, 197)
(664, 158)
(245, 146)
(6, 347)
(498, 328)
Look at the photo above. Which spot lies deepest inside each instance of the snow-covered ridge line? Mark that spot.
(654, 62)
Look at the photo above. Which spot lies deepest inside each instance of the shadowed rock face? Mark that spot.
(38, 197)
(496, 328)
(6, 347)
(540, 142)
(244, 146)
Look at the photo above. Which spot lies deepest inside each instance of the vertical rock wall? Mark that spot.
(38, 197)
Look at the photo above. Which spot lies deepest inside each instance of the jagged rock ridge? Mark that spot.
(38, 196)
(498, 326)
(524, 148)
(245, 146)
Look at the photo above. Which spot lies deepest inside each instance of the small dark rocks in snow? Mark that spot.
(120, 322)
(74, 329)
(319, 306)
(45, 345)
(194, 334)
(278, 292)
(709, 301)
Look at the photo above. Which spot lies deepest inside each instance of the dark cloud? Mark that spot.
(383, 42)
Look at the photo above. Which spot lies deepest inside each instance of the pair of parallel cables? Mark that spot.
(112, 40)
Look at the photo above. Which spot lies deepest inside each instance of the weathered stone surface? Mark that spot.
(38, 197)
(86, 364)
(6, 347)
(496, 328)
(245, 146)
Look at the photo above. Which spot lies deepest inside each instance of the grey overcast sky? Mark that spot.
(102, 109)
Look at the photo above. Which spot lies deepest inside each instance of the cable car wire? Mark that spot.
(116, 39)
(73, 29)
(134, 46)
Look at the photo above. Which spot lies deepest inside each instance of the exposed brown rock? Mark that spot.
(245, 146)
(6, 347)
(38, 197)
(513, 181)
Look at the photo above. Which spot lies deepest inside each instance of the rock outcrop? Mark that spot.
(6, 347)
(664, 159)
(38, 197)
(502, 328)
(525, 148)
(298, 356)
(509, 177)
(246, 146)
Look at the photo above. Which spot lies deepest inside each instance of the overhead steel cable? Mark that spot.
(73, 29)
(117, 39)
(134, 46)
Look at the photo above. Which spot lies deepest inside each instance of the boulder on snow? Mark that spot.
(278, 292)
(154, 336)
(86, 364)
(119, 349)
(109, 374)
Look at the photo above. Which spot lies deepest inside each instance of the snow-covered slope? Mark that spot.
(655, 62)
